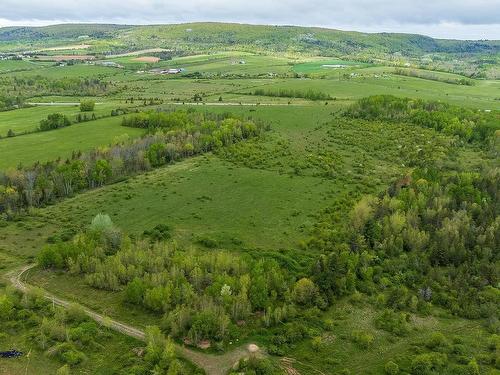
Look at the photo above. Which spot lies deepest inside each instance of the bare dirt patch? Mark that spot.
(65, 48)
(147, 59)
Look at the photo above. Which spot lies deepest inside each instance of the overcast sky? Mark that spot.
(459, 19)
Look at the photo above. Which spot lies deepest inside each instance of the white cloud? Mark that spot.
(442, 18)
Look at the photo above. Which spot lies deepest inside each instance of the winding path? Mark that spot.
(212, 364)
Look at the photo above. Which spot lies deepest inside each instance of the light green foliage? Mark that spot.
(87, 105)
(305, 292)
(64, 370)
(101, 223)
(391, 368)
(363, 339)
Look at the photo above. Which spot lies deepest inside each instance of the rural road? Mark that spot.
(219, 104)
(212, 364)
(57, 104)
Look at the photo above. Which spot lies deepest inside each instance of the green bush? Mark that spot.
(391, 368)
(363, 339)
(87, 105)
(393, 322)
(54, 121)
(428, 363)
(437, 341)
(73, 357)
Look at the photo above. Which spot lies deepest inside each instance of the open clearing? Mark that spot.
(137, 53)
(64, 48)
(147, 59)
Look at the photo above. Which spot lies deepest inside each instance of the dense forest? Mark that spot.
(14, 88)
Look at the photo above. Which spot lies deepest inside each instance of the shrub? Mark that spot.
(391, 368)
(6, 307)
(160, 232)
(101, 223)
(64, 370)
(54, 121)
(75, 313)
(473, 368)
(72, 357)
(426, 364)
(436, 341)
(304, 292)
(207, 242)
(87, 105)
(363, 339)
(392, 322)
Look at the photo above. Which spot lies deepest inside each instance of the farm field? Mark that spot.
(293, 201)
(28, 119)
(50, 145)
(326, 65)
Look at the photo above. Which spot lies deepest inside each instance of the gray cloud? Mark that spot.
(480, 17)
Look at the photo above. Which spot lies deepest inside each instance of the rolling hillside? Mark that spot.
(210, 36)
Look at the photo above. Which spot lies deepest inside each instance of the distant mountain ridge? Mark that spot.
(209, 35)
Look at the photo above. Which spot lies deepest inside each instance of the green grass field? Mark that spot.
(50, 145)
(7, 66)
(28, 119)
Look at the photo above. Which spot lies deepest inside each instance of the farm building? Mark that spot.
(167, 71)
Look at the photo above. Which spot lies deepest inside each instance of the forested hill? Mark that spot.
(59, 32)
(206, 36)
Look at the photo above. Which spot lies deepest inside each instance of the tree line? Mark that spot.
(195, 134)
(290, 93)
(433, 77)
(22, 87)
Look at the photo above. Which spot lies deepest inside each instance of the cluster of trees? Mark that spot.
(290, 93)
(469, 125)
(54, 121)
(18, 86)
(10, 102)
(433, 77)
(429, 238)
(43, 183)
(202, 295)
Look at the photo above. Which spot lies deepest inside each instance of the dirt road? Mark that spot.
(212, 364)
